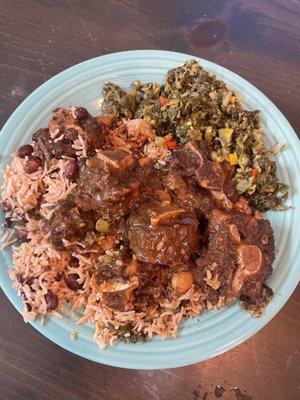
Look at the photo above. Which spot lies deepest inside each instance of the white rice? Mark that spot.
(80, 147)
(21, 191)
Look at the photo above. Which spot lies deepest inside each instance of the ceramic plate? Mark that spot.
(213, 332)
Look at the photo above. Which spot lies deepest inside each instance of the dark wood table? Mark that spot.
(258, 39)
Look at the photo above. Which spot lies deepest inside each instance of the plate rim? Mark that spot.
(159, 53)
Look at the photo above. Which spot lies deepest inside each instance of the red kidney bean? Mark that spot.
(71, 169)
(30, 281)
(32, 164)
(25, 150)
(74, 262)
(81, 113)
(72, 283)
(7, 222)
(19, 277)
(57, 277)
(6, 207)
(51, 300)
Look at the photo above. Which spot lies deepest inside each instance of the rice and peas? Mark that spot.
(172, 111)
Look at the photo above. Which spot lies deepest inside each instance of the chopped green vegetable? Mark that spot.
(117, 102)
(126, 333)
(89, 239)
(194, 105)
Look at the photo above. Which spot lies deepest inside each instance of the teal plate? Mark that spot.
(211, 333)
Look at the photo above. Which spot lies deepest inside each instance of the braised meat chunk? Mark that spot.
(119, 297)
(93, 133)
(66, 126)
(154, 283)
(187, 193)
(163, 234)
(131, 134)
(107, 184)
(256, 254)
(43, 144)
(238, 258)
(118, 294)
(67, 223)
(117, 265)
(216, 177)
(117, 279)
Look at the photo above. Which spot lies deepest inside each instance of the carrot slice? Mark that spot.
(164, 101)
(254, 172)
(168, 137)
(171, 144)
(104, 120)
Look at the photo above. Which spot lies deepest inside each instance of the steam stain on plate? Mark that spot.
(207, 34)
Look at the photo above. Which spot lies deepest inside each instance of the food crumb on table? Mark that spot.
(219, 391)
(196, 392)
(239, 395)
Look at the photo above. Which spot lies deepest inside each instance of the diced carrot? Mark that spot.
(104, 120)
(164, 101)
(168, 137)
(108, 242)
(254, 172)
(171, 144)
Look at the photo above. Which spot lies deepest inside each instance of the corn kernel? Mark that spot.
(197, 135)
(225, 133)
(233, 159)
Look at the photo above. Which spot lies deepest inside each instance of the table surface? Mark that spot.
(259, 40)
